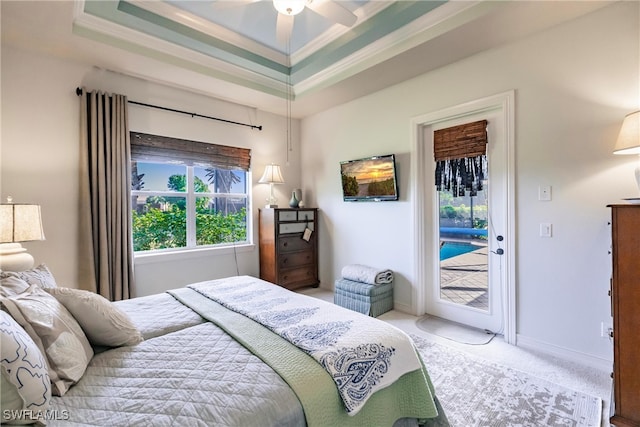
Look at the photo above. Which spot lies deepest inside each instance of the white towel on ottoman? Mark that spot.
(365, 274)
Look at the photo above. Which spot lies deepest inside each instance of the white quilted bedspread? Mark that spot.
(197, 376)
(156, 315)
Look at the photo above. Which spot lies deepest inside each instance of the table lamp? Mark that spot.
(18, 223)
(271, 175)
(629, 139)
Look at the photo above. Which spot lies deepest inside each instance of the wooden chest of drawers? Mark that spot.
(625, 293)
(286, 258)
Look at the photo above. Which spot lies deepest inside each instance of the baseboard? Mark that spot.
(564, 353)
(404, 308)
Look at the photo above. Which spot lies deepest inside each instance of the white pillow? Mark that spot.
(56, 333)
(25, 378)
(12, 285)
(39, 275)
(102, 322)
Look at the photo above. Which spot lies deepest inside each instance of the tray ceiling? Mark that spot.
(228, 48)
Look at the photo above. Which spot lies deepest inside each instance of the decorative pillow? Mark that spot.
(102, 322)
(12, 285)
(56, 332)
(39, 275)
(25, 380)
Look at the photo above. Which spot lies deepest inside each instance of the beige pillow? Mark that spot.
(25, 383)
(56, 333)
(39, 275)
(102, 322)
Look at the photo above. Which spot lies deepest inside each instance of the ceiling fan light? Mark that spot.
(289, 7)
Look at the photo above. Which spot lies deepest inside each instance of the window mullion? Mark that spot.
(191, 209)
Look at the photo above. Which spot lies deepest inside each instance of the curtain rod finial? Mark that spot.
(78, 91)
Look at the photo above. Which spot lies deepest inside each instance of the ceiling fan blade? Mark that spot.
(284, 27)
(334, 11)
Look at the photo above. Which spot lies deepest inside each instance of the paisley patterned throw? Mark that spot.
(359, 369)
(362, 354)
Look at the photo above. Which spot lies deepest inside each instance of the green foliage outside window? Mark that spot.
(163, 223)
(464, 212)
(162, 229)
(214, 228)
(159, 229)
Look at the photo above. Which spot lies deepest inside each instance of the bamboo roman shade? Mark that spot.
(460, 153)
(156, 148)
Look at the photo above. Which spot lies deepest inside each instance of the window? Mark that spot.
(187, 194)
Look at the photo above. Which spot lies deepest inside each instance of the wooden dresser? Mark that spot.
(286, 258)
(625, 294)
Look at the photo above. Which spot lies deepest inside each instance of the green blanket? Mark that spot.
(411, 396)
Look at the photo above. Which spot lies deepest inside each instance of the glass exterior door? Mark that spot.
(468, 280)
(464, 263)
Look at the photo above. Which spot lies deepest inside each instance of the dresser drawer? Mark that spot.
(293, 244)
(294, 227)
(305, 216)
(296, 275)
(287, 216)
(296, 259)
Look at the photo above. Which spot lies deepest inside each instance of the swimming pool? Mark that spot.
(451, 249)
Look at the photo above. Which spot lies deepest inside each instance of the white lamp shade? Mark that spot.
(289, 7)
(20, 223)
(629, 137)
(272, 175)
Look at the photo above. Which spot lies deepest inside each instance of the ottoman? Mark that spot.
(372, 300)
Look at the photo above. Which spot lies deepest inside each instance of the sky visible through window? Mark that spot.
(156, 176)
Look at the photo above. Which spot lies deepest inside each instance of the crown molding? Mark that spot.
(427, 27)
(101, 30)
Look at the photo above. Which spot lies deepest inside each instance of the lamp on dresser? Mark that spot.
(18, 223)
(628, 141)
(272, 175)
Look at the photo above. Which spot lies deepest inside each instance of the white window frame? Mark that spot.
(190, 195)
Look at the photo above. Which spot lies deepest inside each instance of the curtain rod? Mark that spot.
(79, 92)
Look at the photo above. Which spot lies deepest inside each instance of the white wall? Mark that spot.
(573, 84)
(40, 158)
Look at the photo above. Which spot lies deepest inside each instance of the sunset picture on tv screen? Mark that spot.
(373, 177)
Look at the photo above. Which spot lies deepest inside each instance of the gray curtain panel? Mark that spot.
(106, 251)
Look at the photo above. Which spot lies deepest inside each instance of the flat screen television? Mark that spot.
(371, 179)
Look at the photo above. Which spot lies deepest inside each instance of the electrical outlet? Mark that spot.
(606, 330)
(544, 193)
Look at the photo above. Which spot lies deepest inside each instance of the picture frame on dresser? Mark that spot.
(288, 243)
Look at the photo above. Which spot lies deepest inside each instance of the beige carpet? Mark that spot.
(477, 392)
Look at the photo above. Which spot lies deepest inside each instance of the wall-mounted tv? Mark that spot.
(370, 179)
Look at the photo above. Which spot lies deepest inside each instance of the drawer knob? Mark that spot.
(285, 244)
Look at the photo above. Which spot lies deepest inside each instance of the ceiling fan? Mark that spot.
(287, 9)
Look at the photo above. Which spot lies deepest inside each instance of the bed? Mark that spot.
(244, 352)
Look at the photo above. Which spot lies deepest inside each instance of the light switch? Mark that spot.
(544, 192)
(545, 229)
